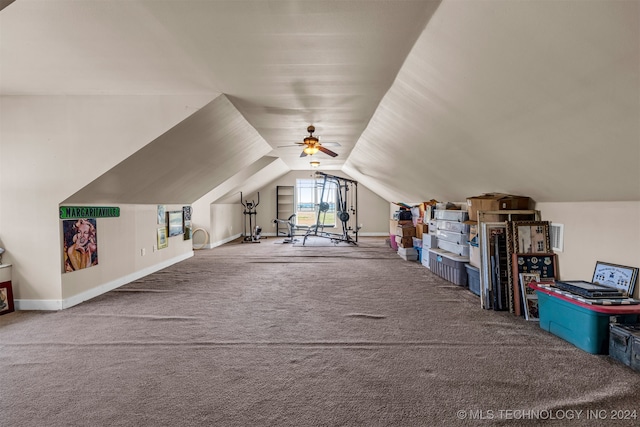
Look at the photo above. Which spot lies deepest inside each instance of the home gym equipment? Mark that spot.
(250, 211)
(291, 225)
(346, 205)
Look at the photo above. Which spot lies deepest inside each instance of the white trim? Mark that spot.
(38, 304)
(222, 242)
(30, 304)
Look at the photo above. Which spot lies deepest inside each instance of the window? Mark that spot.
(308, 198)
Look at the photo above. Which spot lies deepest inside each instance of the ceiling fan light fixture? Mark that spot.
(310, 150)
(315, 164)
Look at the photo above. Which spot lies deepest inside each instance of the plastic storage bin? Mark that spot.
(462, 250)
(408, 254)
(473, 278)
(429, 241)
(449, 266)
(455, 226)
(585, 326)
(453, 237)
(392, 242)
(452, 215)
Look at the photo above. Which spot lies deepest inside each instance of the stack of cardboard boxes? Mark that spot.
(405, 233)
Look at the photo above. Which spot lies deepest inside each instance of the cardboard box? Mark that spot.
(394, 223)
(474, 256)
(496, 202)
(421, 229)
(404, 242)
(406, 231)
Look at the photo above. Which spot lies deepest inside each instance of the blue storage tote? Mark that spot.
(473, 278)
(581, 324)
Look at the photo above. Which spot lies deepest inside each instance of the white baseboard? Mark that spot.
(52, 305)
(373, 234)
(222, 242)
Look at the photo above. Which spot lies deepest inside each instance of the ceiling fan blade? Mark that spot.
(331, 144)
(295, 144)
(327, 151)
(303, 154)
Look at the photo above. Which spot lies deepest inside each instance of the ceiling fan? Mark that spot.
(312, 145)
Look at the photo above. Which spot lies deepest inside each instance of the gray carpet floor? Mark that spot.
(273, 334)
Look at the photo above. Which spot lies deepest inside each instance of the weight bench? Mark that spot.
(292, 227)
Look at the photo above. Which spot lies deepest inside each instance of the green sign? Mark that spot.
(69, 212)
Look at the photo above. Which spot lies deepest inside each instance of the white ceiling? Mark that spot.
(427, 99)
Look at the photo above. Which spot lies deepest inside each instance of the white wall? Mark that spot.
(51, 147)
(127, 250)
(226, 223)
(373, 211)
(595, 231)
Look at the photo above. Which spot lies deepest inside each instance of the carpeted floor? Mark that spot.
(275, 334)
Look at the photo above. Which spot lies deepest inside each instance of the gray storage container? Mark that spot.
(624, 344)
(449, 266)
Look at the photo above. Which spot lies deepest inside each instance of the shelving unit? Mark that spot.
(285, 206)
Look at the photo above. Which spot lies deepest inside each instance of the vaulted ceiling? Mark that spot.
(427, 99)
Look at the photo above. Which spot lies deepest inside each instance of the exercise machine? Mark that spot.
(346, 206)
(250, 211)
(291, 226)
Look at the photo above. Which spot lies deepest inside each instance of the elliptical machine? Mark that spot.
(250, 211)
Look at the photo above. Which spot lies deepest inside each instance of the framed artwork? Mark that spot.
(545, 265)
(162, 217)
(186, 215)
(163, 240)
(617, 276)
(6, 298)
(489, 288)
(80, 244)
(186, 212)
(176, 223)
(531, 237)
(529, 296)
(188, 230)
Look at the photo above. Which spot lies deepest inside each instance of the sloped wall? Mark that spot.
(51, 147)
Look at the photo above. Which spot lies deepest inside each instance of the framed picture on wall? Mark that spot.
(176, 223)
(163, 239)
(162, 217)
(529, 296)
(617, 276)
(545, 265)
(6, 298)
(531, 237)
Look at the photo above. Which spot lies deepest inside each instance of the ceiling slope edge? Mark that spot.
(237, 182)
(184, 163)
